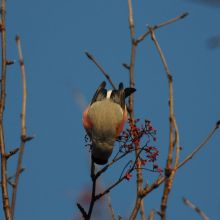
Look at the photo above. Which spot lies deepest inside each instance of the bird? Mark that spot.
(104, 120)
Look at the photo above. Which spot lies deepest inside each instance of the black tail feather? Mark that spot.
(129, 91)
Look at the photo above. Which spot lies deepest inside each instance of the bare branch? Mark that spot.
(151, 215)
(177, 154)
(8, 180)
(126, 65)
(120, 218)
(146, 190)
(109, 202)
(160, 25)
(108, 165)
(108, 189)
(195, 208)
(8, 62)
(5, 198)
(23, 128)
(21, 170)
(30, 137)
(131, 111)
(82, 211)
(143, 217)
(160, 181)
(168, 182)
(93, 189)
(11, 183)
(12, 152)
(191, 155)
(106, 75)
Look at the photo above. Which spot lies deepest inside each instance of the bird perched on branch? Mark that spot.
(104, 120)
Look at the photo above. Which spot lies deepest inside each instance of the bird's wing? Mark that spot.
(101, 93)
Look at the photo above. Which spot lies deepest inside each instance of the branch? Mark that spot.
(126, 65)
(6, 204)
(88, 216)
(146, 190)
(120, 218)
(160, 181)
(143, 217)
(110, 205)
(30, 137)
(94, 178)
(93, 189)
(8, 180)
(12, 152)
(191, 155)
(168, 171)
(109, 188)
(106, 75)
(21, 170)
(108, 165)
(8, 62)
(177, 154)
(131, 111)
(151, 215)
(82, 211)
(160, 25)
(195, 208)
(23, 128)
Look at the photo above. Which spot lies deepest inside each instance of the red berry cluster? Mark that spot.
(130, 140)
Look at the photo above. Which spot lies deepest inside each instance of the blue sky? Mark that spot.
(54, 36)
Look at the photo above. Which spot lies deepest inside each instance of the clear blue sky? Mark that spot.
(54, 35)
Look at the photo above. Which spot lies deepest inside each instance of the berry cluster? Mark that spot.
(130, 140)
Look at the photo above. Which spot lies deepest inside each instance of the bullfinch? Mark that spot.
(104, 120)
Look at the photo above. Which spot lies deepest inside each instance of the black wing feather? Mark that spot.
(101, 93)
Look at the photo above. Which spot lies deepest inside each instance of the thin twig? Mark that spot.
(5, 198)
(82, 211)
(159, 182)
(8, 180)
(148, 189)
(151, 215)
(12, 152)
(130, 162)
(109, 202)
(126, 65)
(11, 183)
(120, 218)
(96, 197)
(21, 170)
(106, 75)
(191, 155)
(93, 189)
(8, 62)
(30, 137)
(109, 188)
(107, 166)
(195, 208)
(23, 128)
(160, 25)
